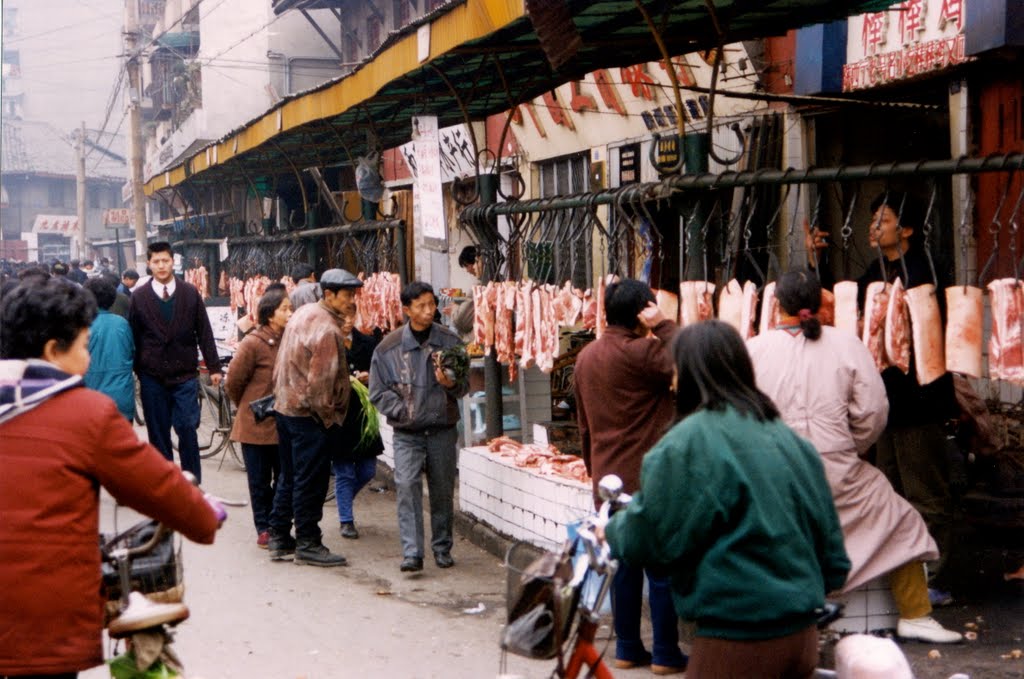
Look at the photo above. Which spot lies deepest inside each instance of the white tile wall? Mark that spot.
(869, 607)
(519, 503)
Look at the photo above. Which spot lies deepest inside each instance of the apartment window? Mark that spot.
(373, 32)
(402, 14)
(93, 194)
(557, 259)
(55, 194)
(10, 22)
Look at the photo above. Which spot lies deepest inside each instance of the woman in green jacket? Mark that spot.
(736, 508)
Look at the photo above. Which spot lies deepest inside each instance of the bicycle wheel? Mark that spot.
(212, 412)
(138, 404)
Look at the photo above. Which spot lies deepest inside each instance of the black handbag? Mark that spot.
(262, 408)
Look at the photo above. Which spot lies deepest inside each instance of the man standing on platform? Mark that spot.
(624, 400)
(168, 320)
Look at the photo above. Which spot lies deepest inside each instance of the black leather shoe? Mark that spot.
(348, 530)
(280, 545)
(314, 553)
(444, 560)
(411, 564)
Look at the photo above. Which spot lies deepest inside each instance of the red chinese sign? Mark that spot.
(59, 224)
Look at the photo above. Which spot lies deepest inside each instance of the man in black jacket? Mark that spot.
(169, 320)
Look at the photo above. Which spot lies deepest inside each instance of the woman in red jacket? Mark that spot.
(59, 442)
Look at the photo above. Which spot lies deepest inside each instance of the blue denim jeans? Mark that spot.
(349, 479)
(174, 405)
(305, 476)
(263, 467)
(627, 604)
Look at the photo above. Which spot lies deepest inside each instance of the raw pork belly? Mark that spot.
(897, 328)
(965, 311)
(876, 302)
(1005, 355)
(926, 327)
(845, 293)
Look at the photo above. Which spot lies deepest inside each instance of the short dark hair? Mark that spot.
(159, 246)
(102, 289)
(74, 263)
(130, 274)
(112, 277)
(59, 269)
(714, 371)
(87, 262)
(39, 311)
(415, 290)
(907, 208)
(467, 256)
(269, 302)
(300, 272)
(624, 300)
(33, 272)
(799, 290)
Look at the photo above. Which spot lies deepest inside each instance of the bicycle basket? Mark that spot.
(157, 574)
(541, 602)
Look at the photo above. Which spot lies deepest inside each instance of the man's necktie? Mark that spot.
(166, 296)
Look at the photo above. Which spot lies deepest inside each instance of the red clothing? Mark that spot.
(53, 459)
(624, 402)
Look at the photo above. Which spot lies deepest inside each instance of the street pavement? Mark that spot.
(254, 618)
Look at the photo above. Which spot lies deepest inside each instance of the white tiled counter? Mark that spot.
(520, 503)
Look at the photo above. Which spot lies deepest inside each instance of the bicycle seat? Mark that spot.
(142, 613)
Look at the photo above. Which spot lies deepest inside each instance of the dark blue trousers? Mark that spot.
(174, 405)
(263, 467)
(627, 602)
(304, 479)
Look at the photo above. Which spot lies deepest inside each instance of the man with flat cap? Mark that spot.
(311, 395)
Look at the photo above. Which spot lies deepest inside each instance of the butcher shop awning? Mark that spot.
(478, 58)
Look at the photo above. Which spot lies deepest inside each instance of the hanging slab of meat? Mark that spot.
(524, 324)
(504, 331)
(547, 331)
(769, 309)
(602, 322)
(876, 303)
(926, 330)
(1005, 353)
(897, 328)
(827, 309)
(588, 315)
(567, 304)
(223, 286)
(484, 297)
(965, 317)
(696, 302)
(846, 306)
(235, 288)
(668, 302)
(748, 310)
(730, 305)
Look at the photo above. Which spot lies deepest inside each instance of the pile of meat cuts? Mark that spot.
(200, 278)
(545, 460)
(246, 294)
(379, 303)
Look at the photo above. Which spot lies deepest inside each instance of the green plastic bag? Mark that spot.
(123, 667)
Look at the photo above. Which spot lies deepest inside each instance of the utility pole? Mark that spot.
(131, 46)
(80, 192)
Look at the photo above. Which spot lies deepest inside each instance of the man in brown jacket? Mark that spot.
(311, 392)
(624, 402)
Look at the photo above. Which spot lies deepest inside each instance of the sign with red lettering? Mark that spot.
(116, 218)
(916, 37)
(65, 225)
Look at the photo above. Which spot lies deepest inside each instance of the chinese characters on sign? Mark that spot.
(117, 217)
(456, 154)
(60, 224)
(926, 37)
(427, 186)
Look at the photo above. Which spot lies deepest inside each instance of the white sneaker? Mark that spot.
(926, 629)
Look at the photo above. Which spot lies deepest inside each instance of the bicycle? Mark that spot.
(217, 409)
(548, 610)
(555, 604)
(145, 599)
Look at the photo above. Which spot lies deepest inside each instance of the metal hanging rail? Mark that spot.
(669, 185)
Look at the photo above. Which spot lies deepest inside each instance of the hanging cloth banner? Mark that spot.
(428, 198)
